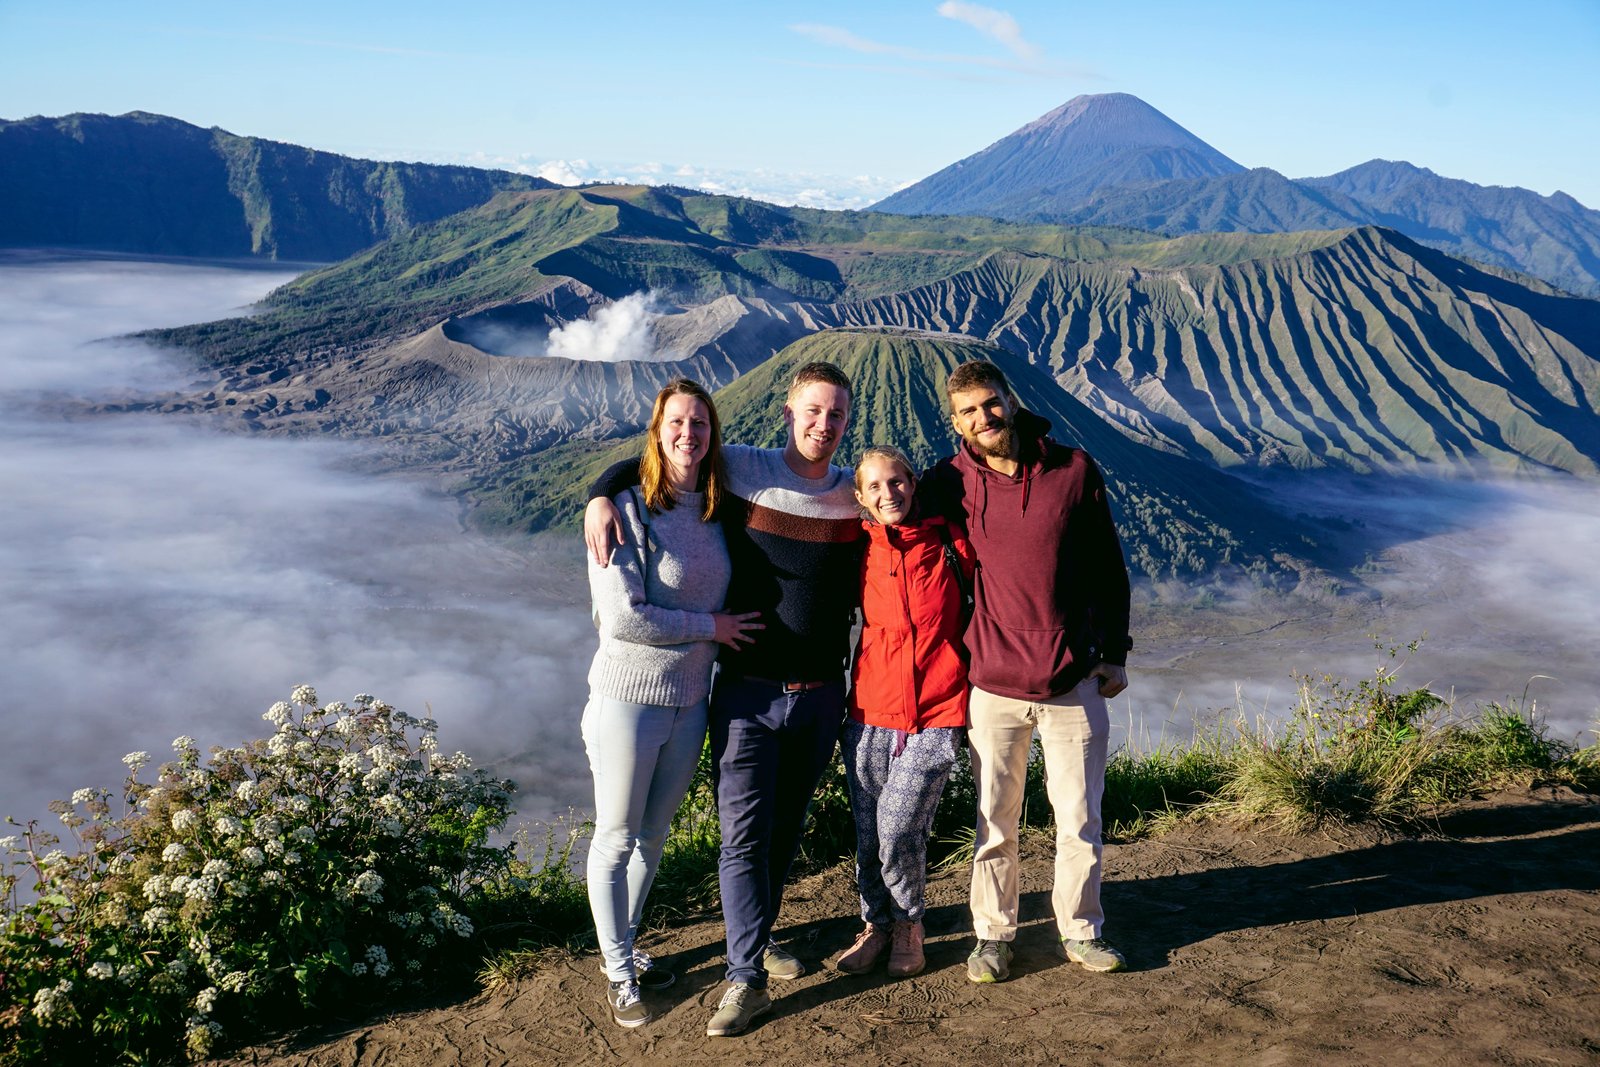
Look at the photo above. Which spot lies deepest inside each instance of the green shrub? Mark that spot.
(1505, 740)
(1583, 767)
(1375, 752)
(332, 862)
(1346, 754)
(687, 878)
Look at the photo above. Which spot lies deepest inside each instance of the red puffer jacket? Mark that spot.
(911, 668)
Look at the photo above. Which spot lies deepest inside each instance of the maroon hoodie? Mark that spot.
(1052, 588)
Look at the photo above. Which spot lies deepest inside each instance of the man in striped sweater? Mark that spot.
(793, 530)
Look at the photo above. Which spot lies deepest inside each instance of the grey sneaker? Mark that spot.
(1094, 954)
(780, 964)
(650, 974)
(738, 1008)
(989, 962)
(626, 1007)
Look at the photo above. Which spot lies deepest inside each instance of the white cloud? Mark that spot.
(1026, 58)
(805, 189)
(561, 171)
(991, 23)
(836, 37)
(619, 331)
(159, 578)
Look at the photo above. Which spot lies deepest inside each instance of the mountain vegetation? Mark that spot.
(1356, 349)
(151, 184)
(342, 859)
(692, 247)
(1370, 352)
(1112, 160)
(1553, 237)
(1253, 201)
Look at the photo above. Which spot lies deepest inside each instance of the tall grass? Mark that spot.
(1150, 791)
(1374, 752)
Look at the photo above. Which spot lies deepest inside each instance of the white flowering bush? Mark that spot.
(340, 858)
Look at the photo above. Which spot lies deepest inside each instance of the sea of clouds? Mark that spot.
(159, 577)
(1493, 575)
(833, 192)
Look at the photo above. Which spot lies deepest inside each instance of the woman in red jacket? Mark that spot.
(908, 705)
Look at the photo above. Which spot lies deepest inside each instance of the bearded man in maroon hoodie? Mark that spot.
(1048, 640)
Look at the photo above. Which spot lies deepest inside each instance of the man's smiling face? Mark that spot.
(817, 414)
(984, 416)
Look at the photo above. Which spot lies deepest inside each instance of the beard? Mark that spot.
(1003, 447)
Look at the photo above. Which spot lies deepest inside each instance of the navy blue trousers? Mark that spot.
(769, 748)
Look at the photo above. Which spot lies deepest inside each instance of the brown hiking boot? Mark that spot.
(860, 957)
(905, 950)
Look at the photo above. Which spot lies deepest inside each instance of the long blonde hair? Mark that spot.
(653, 464)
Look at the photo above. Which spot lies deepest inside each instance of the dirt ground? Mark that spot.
(1475, 944)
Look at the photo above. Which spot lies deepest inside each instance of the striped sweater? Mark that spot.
(795, 544)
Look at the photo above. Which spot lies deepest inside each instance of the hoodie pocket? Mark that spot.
(1015, 661)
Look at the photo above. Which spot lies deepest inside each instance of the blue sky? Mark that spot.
(834, 104)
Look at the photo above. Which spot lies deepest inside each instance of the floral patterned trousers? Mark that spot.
(896, 780)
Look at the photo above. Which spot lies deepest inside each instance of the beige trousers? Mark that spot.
(1073, 731)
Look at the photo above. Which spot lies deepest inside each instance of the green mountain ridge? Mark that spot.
(1371, 352)
(1253, 201)
(147, 183)
(618, 240)
(1553, 237)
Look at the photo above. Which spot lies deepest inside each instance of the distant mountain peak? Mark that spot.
(1392, 168)
(1086, 143)
(1119, 119)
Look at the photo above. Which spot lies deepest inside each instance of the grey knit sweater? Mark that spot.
(653, 605)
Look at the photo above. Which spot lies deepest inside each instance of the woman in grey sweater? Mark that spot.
(659, 611)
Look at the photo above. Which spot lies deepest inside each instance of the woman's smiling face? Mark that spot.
(685, 432)
(885, 488)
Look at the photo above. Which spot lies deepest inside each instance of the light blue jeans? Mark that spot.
(642, 757)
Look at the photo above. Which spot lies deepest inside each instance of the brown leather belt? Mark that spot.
(787, 687)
